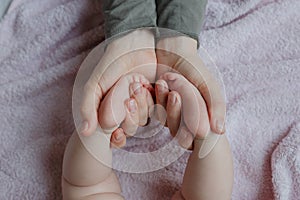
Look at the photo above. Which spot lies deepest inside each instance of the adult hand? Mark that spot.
(180, 54)
(123, 55)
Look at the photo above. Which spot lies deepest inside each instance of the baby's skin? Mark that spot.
(87, 174)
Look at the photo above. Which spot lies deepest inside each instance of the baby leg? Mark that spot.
(84, 177)
(209, 177)
(87, 172)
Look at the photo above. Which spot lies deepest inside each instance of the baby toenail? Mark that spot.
(118, 136)
(160, 87)
(132, 106)
(137, 89)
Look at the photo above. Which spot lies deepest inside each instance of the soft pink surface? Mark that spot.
(256, 45)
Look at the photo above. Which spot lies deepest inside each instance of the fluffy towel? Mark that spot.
(287, 156)
(255, 44)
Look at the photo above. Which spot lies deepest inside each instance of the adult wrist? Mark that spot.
(142, 38)
(120, 15)
(181, 45)
(186, 16)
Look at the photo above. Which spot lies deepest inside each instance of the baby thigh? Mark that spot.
(106, 190)
(84, 177)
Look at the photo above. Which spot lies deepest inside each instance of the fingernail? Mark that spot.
(137, 89)
(161, 85)
(219, 126)
(160, 88)
(132, 106)
(118, 136)
(84, 126)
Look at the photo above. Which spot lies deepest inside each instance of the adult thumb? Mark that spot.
(92, 95)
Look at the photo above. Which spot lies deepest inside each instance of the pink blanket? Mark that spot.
(255, 43)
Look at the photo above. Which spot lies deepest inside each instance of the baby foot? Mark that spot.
(194, 112)
(138, 108)
(113, 109)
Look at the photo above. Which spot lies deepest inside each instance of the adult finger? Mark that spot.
(89, 107)
(94, 89)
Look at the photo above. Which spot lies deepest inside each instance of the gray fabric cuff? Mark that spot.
(183, 16)
(4, 5)
(124, 15)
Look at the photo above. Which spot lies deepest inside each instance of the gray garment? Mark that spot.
(124, 15)
(4, 5)
(184, 16)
